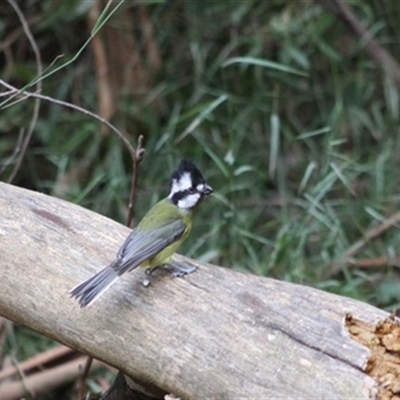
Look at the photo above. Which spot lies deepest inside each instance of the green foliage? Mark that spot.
(289, 118)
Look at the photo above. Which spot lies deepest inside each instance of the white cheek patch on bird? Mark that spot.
(188, 201)
(181, 184)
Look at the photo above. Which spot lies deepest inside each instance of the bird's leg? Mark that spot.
(148, 272)
(178, 270)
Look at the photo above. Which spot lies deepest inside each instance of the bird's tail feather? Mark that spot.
(90, 290)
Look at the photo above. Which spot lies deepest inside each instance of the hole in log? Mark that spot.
(384, 362)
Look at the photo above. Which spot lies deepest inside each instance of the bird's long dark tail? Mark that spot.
(90, 290)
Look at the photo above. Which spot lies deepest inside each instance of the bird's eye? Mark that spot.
(192, 189)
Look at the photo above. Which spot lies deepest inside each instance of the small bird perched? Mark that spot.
(157, 236)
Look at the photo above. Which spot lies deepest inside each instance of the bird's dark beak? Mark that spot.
(207, 190)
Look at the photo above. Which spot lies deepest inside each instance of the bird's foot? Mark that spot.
(178, 270)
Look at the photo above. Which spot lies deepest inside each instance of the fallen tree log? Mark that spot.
(216, 334)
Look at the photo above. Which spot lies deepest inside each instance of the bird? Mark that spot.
(157, 236)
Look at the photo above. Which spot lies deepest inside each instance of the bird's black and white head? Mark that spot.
(188, 186)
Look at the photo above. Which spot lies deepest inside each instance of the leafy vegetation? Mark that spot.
(279, 103)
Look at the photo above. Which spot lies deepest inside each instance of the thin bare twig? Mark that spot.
(13, 90)
(348, 256)
(2, 339)
(379, 262)
(83, 377)
(36, 106)
(24, 383)
(372, 234)
(132, 197)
